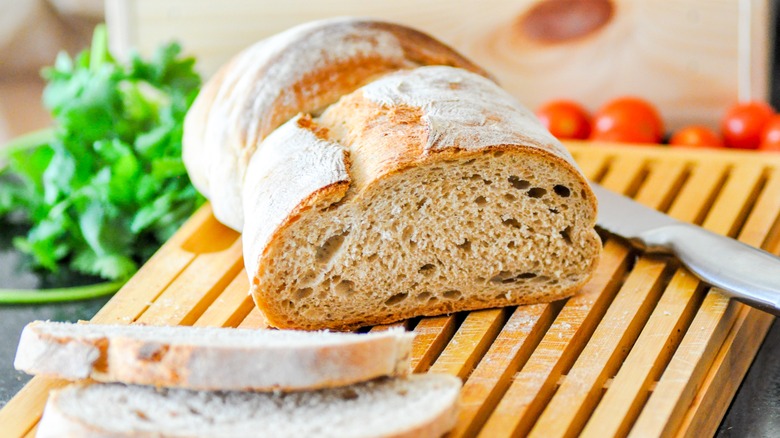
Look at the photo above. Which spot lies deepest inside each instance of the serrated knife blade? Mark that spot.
(745, 273)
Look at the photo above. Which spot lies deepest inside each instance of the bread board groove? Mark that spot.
(644, 349)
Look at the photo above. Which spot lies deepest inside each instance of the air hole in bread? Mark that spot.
(465, 246)
(511, 277)
(303, 293)
(330, 247)
(452, 294)
(421, 203)
(519, 184)
(562, 191)
(141, 416)
(348, 394)
(372, 257)
(498, 153)
(427, 269)
(566, 234)
(510, 197)
(395, 299)
(480, 200)
(487, 182)
(512, 222)
(407, 233)
(584, 194)
(308, 277)
(537, 192)
(553, 210)
(345, 287)
(511, 244)
(423, 296)
(471, 161)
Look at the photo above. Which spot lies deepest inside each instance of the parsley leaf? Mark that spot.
(107, 187)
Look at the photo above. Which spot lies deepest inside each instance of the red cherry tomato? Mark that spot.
(770, 137)
(695, 136)
(565, 119)
(743, 124)
(628, 119)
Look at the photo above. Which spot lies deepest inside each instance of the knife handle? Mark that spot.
(745, 273)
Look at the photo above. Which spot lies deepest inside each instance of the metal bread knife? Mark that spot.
(744, 273)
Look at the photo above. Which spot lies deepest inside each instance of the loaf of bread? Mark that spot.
(211, 358)
(420, 191)
(418, 406)
(304, 69)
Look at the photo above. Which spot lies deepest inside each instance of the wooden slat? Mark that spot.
(164, 266)
(196, 288)
(231, 306)
(572, 403)
(24, 410)
(664, 410)
(622, 402)
(511, 349)
(32, 433)
(593, 165)
(432, 336)
(534, 385)
(700, 190)
(470, 342)
(625, 175)
(743, 342)
(254, 320)
(730, 366)
(629, 388)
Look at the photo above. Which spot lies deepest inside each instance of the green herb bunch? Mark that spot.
(107, 186)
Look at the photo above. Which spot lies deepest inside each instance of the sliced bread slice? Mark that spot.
(422, 405)
(211, 358)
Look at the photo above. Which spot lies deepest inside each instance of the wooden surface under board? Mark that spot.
(691, 58)
(644, 349)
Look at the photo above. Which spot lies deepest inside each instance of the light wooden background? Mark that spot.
(692, 58)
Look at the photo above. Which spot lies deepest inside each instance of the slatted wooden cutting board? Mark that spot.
(644, 349)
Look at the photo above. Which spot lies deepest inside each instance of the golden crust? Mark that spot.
(226, 124)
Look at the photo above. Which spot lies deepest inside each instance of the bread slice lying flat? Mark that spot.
(427, 191)
(416, 406)
(303, 69)
(211, 358)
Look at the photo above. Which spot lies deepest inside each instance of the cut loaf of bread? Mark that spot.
(211, 358)
(304, 69)
(416, 406)
(426, 191)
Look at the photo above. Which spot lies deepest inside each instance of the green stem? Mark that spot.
(30, 140)
(98, 53)
(41, 296)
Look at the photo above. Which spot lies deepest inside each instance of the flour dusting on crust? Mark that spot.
(463, 109)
